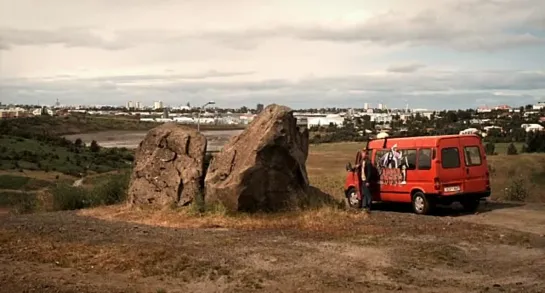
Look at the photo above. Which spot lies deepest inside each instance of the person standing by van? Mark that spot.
(364, 170)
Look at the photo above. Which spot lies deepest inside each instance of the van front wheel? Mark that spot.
(421, 204)
(352, 198)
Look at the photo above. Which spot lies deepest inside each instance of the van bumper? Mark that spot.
(448, 199)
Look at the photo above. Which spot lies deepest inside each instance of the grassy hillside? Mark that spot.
(72, 124)
(17, 153)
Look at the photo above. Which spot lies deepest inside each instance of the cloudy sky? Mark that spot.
(302, 53)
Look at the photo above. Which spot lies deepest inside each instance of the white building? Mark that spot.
(470, 131)
(539, 106)
(366, 106)
(130, 105)
(484, 109)
(326, 121)
(184, 120)
(487, 128)
(380, 106)
(532, 127)
(138, 106)
(158, 105)
(38, 112)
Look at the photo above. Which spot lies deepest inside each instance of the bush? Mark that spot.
(66, 197)
(490, 149)
(24, 204)
(13, 182)
(20, 202)
(94, 147)
(517, 190)
(111, 191)
(512, 149)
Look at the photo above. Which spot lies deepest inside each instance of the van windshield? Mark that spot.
(450, 158)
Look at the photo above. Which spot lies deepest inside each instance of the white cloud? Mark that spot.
(336, 51)
(406, 68)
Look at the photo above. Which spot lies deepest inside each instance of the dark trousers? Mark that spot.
(366, 195)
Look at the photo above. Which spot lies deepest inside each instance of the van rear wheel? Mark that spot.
(422, 205)
(470, 205)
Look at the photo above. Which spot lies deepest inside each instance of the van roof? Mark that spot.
(411, 140)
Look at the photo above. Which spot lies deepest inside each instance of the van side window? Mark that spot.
(378, 155)
(424, 159)
(450, 158)
(472, 156)
(410, 155)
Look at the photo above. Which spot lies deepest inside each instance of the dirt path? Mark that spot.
(388, 251)
(526, 218)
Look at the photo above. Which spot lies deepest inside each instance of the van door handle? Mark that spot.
(467, 171)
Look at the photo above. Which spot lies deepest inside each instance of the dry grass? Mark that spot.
(329, 220)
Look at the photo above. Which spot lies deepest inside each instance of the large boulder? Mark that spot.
(169, 167)
(263, 168)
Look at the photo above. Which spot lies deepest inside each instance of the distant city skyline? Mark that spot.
(449, 54)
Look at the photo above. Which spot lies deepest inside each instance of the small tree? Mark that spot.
(94, 146)
(490, 149)
(512, 149)
(78, 143)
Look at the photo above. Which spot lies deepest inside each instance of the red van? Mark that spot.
(425, 171)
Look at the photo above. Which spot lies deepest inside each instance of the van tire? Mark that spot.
(352, 198)
(422, 205)
(470, 205)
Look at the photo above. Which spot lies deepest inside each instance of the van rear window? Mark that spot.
(472, 156)
(450, 158)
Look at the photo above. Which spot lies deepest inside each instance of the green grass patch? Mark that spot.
(111, 191)
(19, 202)
(15, 182)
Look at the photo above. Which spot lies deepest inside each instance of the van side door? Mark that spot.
(450, 170)
(475, 167)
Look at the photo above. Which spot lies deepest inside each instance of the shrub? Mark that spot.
(94, 147)
(20, 202)
(25, 203)
(512, 149)
(66, 197)
(517, 190)
(490, 149)
(13, 182)
(112, 191)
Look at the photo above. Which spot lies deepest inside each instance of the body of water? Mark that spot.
(131, 139)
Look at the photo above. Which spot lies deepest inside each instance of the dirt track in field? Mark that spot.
(501, 249)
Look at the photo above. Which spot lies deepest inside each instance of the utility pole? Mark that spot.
(199, 114)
